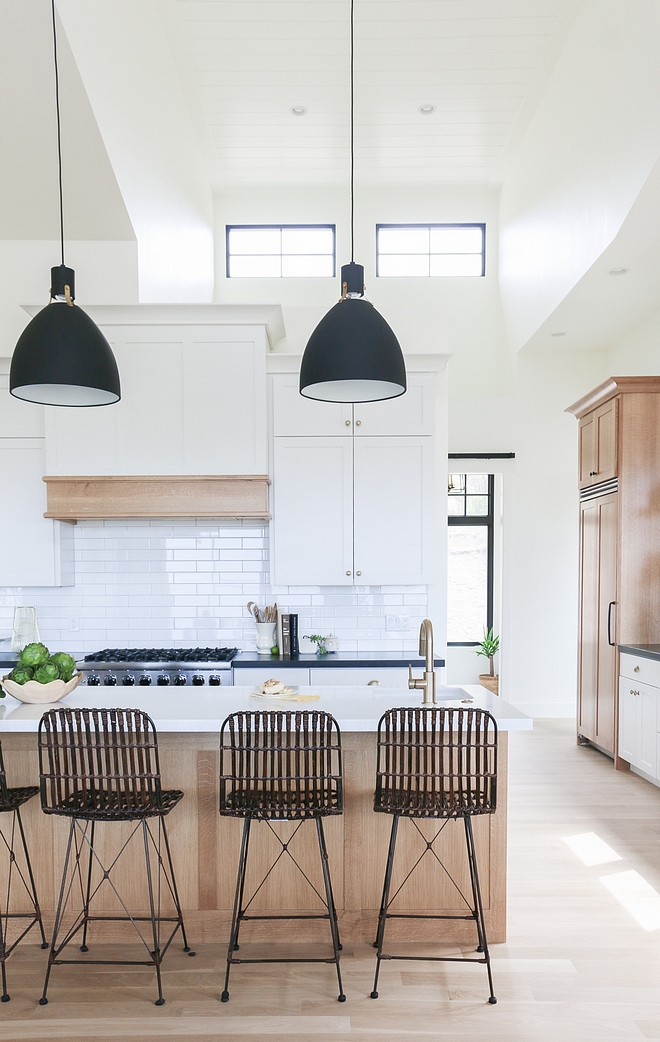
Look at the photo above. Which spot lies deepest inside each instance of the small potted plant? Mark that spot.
(489, 647)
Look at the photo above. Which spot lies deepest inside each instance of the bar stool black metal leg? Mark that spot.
(238, 905)
(35, 899)
(475, 903)
(472, 856)
(3, 940)
(239, 921)
(90, 852)
(154, 913)
(330, 901)
(385, 900)
(43, 1001)
(175, 891)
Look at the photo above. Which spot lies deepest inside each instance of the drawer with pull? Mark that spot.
(642, 670)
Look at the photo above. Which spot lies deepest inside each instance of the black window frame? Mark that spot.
(435, 224)
(258, 227)
(487, 521)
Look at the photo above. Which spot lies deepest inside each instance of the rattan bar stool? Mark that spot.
(281, 766)
(11, 801)
(101, 765)
(436, 763)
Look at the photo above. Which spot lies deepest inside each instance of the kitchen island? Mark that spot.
(205, 846)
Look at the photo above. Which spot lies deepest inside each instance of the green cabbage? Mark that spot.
(44, 674)
(21, 674)
(66, 664)
(34, 655)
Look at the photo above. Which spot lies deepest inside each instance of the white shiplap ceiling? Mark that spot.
(482, 64)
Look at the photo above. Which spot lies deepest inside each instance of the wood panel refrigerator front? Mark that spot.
(619, 478)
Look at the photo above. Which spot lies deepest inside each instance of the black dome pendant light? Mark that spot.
(62, 357)
(352, 355)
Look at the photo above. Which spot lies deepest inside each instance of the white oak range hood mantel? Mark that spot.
(85, 497)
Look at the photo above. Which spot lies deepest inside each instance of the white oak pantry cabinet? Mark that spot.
(619, 449)
(354, 487)
(34, 550)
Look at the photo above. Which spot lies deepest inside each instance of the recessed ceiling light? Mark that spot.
(557, 334)
(619, 271)
(426, 110)
(299, 110)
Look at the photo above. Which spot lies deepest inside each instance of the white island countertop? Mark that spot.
(204, 709)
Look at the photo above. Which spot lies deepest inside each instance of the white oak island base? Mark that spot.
(205, 849)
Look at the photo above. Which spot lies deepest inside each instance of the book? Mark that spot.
(293, 630)
(285, 646)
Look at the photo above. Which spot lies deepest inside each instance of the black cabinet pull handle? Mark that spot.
(609, 620)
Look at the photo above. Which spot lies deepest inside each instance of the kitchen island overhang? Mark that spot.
(205, 845)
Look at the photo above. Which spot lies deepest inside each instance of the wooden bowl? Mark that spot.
(35, 693)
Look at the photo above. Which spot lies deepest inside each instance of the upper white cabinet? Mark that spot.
(295, 416)
(393, 511)
(193, 398)
(312, 528)
(34, 551)
(413, 413)
(353, 488)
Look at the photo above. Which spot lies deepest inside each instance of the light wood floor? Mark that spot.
(577, 966)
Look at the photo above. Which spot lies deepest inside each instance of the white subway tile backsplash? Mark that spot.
(176, 582)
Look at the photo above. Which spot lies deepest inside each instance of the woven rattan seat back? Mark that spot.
(281, 765)
(436, 762)
(99, 764)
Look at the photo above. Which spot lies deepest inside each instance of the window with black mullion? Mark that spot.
(470, 557)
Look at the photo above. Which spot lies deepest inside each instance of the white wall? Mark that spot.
(589, 148)
(106, 273)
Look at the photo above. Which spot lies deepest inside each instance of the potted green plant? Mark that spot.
(489, 647)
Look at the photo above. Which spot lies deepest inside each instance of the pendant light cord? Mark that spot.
(59, 130)
(352, 136)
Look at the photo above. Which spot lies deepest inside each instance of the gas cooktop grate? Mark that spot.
(163, 655)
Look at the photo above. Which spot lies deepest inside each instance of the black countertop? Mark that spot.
(645, 650)
(334, 659)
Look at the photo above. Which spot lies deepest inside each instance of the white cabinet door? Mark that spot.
(393, 519)
(413, 413)
(34, 551)
(149, 416)
(648, 712)
(628, 721)
(295, 416)
(18, 419)
(638, 724)
(312, 527)
(225, 416)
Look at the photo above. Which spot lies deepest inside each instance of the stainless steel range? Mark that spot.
(162, 667)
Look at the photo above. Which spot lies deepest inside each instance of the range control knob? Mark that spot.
(214, 680)
(93, 680)
(180, 679)
(162, 680)
(197, 679)
(144, 680)
(110, 680)
(128, 680)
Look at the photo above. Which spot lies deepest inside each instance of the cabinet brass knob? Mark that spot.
(358, 573)
(636, 669)
(358, 423)
(348, 423)
(348, 573)
(374, 683)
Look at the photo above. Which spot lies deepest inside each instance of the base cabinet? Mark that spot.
(638, 736)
